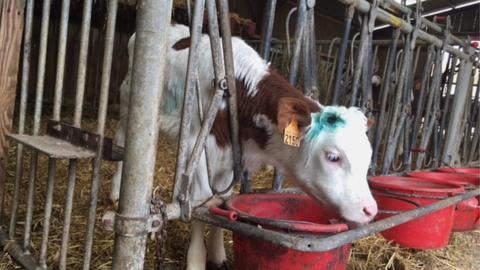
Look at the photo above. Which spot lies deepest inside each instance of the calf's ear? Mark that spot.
(370, 122)
(290, 108)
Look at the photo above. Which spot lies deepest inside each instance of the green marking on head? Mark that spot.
(329, 120)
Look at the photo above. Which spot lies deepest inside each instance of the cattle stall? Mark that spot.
(420, 86)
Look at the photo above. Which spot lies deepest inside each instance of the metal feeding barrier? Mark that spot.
(438, 118)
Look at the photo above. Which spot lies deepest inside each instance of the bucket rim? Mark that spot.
(441, 190)
(281, 224)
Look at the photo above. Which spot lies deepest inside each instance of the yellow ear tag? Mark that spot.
(291, 135)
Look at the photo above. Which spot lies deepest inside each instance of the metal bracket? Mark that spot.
(85, 139)
(131, 226)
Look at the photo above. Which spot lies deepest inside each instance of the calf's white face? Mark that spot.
(333, 161)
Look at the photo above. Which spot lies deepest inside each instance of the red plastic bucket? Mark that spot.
(284, 212)
(467, 213)
(400, 194)
(473, 171)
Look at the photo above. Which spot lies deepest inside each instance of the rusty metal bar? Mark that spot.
(48, 212)
(153, 19)
(36, 119)
(299, 32)
(27, 46)
(101, 119)
(309, 53)
(322, 243)
(360, 59)
(62, 45)
(82, 61)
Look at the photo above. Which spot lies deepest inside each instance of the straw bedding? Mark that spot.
(372, 252)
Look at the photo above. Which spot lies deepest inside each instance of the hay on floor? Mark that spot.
(372, 252)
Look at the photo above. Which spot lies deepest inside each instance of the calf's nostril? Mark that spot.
(367, 212)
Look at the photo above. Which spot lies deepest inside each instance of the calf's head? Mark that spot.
(332, 161)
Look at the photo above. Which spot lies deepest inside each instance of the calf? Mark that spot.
(330, 164)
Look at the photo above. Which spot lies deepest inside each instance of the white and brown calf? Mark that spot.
(330, 164)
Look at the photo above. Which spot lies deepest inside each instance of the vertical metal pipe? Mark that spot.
(349, 11)
(461, 94)
(153, 19)
(62, 44)
(295, 58)
(82, 61)
(430, 113)
(446, 105)
(188, 104)
(48, 212)
(27, 46)
(267, 27)
(37, 118)
(310, 53)
(102, 115)
(362, 50)
(72, 167)
(230, 75)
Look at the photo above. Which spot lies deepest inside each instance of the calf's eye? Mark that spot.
(333, 157)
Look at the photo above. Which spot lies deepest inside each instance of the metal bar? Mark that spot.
(267, 27)
(384, 96)
(62, 45)
(385, 17)
(37, 118)
(233, 100)
(360, 59)
(82, 61)
(322, 243)
(300, 25)
(48, 212)
(27, 46)
(68, 213)
(188, 104)
(392, 142)
(16, 251)
(349, 12)
(153, 19)
(461, 93)
(446, 106)
(420, 102)
(101, 119)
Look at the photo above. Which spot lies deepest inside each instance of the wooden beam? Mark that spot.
(11, 30)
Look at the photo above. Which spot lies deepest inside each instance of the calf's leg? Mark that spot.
(216, 248)
(197, 253)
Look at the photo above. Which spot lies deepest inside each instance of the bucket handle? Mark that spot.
(300, 226)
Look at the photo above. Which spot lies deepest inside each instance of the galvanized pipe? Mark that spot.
(446, 106)
(72, 167)
(430, 112)
(48, 212)
(322, 243)
(153, 19)
(82, 61)
(27, 46)
(349, 12)
(267, 27)
(384, 96)
(62, 45)
(299, 31)
(181, 183)
(385, 17)
(396, 125)
(37, 119)
(101, 119)
(360, 59)
(233, 100)
(309, 55)
(451, 144)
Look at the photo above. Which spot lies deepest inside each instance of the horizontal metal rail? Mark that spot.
(386, 17)
(15, 250)
(322, 244)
